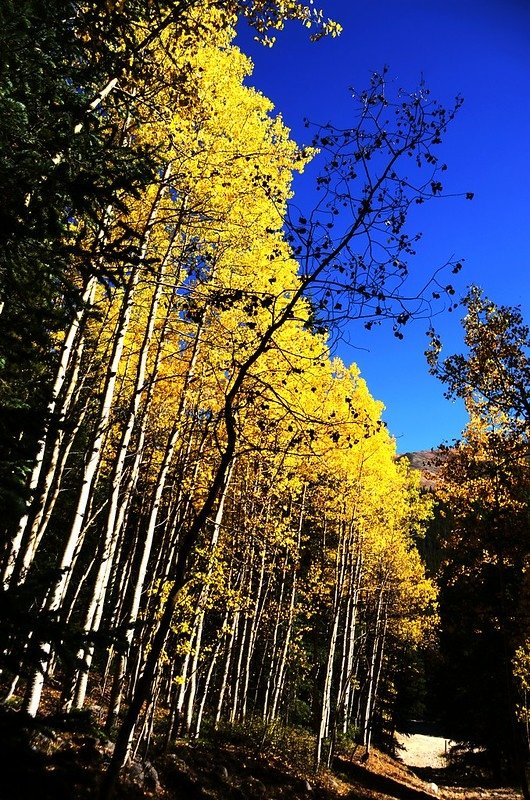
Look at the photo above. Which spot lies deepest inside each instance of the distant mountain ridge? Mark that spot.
(429, 463)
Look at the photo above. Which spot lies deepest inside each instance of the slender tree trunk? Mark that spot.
(272, 672)
(56, 594)
(112, 531)
(350, 642)
(203, 600)
(278, 689)
(325, 715)
(71, 351)
(33, 522)
(376, 660)
(236, 712)
(208, 678)
(151, 526)
(226, 671)
(191, 536)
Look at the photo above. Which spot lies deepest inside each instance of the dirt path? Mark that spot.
(420, 750)
(426, 752)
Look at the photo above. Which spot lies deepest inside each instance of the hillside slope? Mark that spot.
(54, 762)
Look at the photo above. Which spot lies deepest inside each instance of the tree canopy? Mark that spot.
(206, 510)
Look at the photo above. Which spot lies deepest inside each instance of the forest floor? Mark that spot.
(60, 761)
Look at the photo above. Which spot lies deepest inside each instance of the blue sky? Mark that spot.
(480, 50)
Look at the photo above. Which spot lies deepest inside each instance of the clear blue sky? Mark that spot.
(479, 49)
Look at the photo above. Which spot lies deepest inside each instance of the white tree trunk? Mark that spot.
(70, 350)
(56, 594)
(278, 689)
(112, 532)
(376, 660)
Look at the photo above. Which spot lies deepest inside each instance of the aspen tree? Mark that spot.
(372, 496)
(91, 466)
(488, 473)
(239, 369)
(87, 492)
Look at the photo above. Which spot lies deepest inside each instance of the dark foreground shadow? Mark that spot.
(364, 776)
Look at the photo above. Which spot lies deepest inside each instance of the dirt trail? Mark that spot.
(426, 752)
(421, 750)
